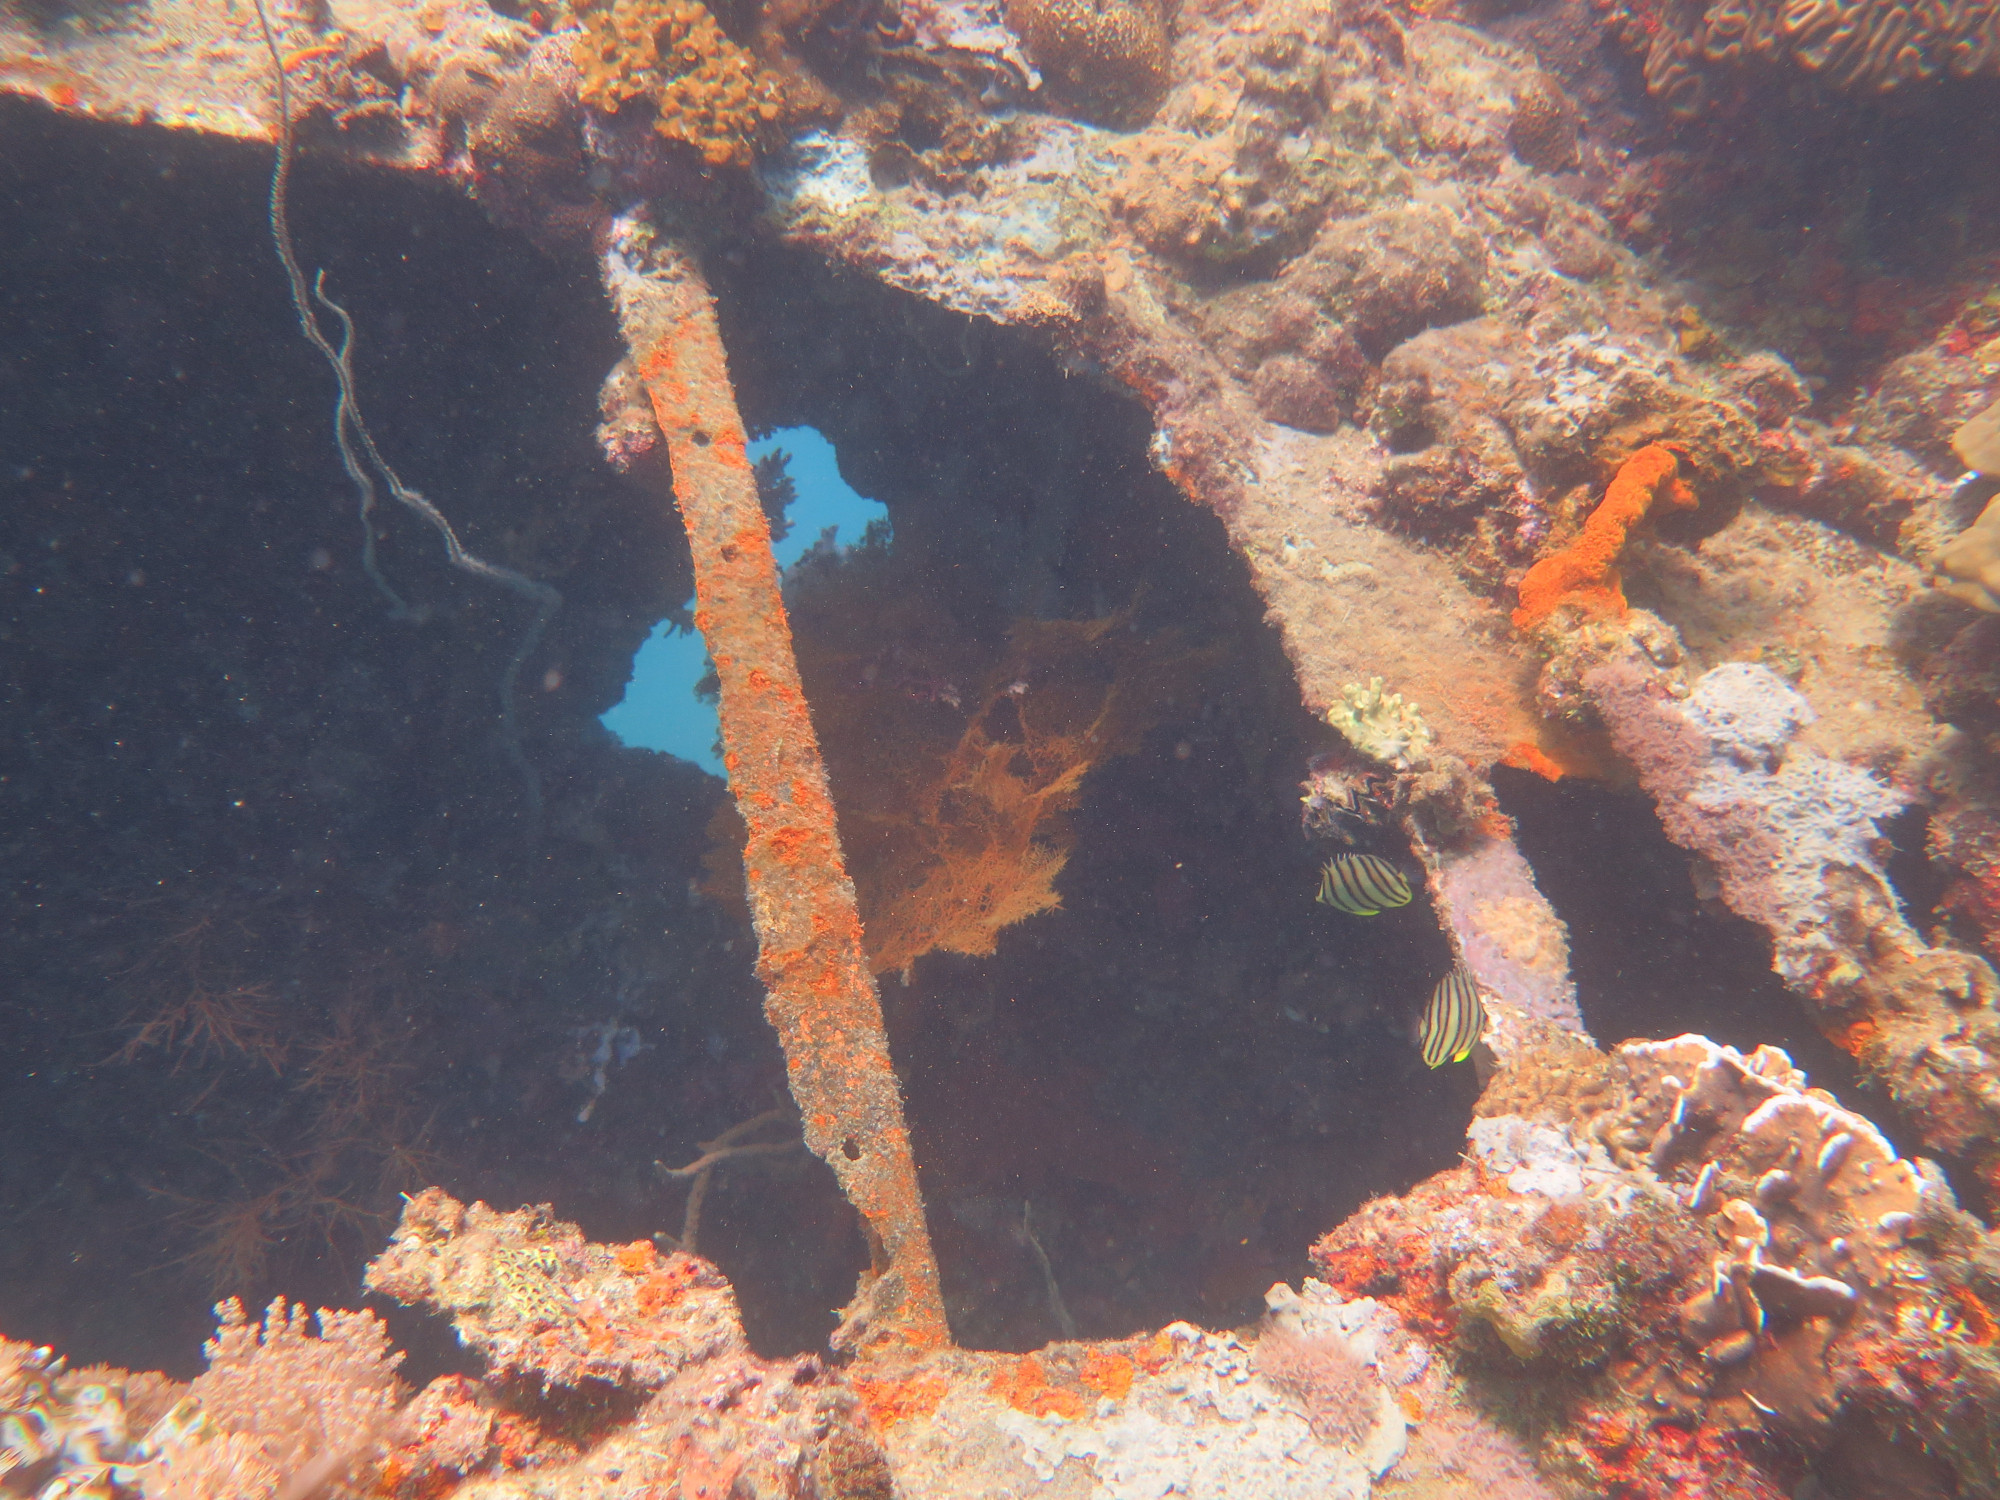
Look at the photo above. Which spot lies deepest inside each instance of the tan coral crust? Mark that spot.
(707, 91)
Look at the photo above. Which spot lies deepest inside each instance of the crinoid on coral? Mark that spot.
(1857, 46)
(954, 759)
(706, 91)
(1108, 60)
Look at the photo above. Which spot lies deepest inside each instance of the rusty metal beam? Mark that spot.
(821, 997)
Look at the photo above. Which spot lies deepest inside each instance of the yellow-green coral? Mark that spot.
(1381, 725)
(706, 90)
(524, 1283)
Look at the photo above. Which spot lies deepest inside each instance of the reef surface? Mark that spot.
(1535, 448)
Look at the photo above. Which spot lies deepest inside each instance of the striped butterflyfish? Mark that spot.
(1362, 885)
(1452, 1021)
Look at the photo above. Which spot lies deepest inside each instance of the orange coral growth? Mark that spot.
(892, 1399)
(637, 1258)
(1975, 1320)
(1524, 756)
(1585, 573)
(1154, 1354)
(1403, 1274)
(667, 1285)
(957, 761)
(1024, 1385)
(706, 90)
(1852, 1037)
(1106, 1373)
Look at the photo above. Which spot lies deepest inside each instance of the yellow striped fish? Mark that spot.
(1362, 885)
(1452, 1021)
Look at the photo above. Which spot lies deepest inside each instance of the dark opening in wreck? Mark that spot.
(1164, 1088)
(1141, 1107)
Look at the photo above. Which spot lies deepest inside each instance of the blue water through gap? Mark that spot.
(660, 710)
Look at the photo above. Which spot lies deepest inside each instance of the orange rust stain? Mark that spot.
(1975, 1317)
(1106, 1373)
(637, 1258)
(1526, 757)
(891, 1399)
(793, 844)
(1024, 1385)
(1585, 573)
(822, 998)
(1852, 1037)
(1155, 1354)
(1412, 1407)
(666, 1286)
(311, 54)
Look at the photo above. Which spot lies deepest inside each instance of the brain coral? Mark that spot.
(1108, 60)
(706, 90)
(1864, 46)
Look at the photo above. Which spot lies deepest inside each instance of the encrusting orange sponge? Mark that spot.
(1585, 573)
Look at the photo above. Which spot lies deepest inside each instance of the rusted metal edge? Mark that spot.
(821, 996)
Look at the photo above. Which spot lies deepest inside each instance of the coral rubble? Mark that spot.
(1670, 1268)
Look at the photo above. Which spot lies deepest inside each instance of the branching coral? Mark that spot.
(706, 90)
(1585, 573)
(280, 1411)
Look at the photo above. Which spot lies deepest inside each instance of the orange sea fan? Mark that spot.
(955, 761)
